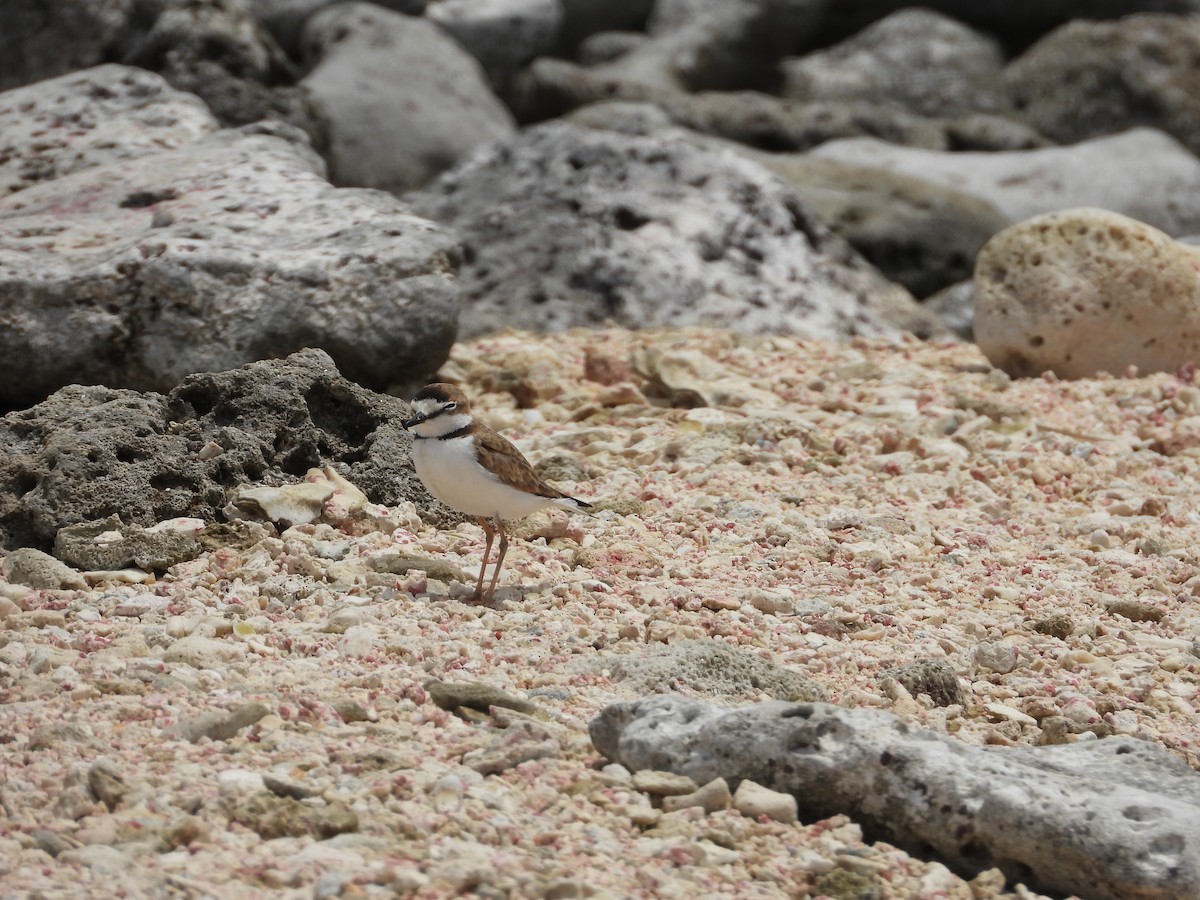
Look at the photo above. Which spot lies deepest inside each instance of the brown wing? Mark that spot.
(500, 455)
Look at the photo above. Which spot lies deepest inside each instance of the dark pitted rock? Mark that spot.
(285, 19)
(219, 51)
(1107, 819)
(43, 40)
(916, 59)
(403, 100)
(87, 453)
(213, 48)
(1141, 173)
(504, 35)
(585, 17)
(935, 678)
(1094, 78)
(566, 226)
(228, 249)
(109, 544)
(713, 669)
(920, 234)
(90, 118)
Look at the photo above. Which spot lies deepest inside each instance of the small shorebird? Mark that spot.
(473, 469)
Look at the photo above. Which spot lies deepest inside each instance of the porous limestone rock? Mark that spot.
(92, 117)
(713, 669)
(1084, 291)
(1108, 819)
(87, 453)
(565, 226)
(224, 250)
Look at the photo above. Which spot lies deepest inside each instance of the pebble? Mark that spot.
(663, 784)
(775, 601)
(219, 725)
(710, 797)
(204, 652)
(998, 656)
(473, 695)
(754, 800)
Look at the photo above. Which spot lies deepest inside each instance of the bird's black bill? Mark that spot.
(415, 420)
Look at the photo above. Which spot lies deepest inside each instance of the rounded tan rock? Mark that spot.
(1083, 291)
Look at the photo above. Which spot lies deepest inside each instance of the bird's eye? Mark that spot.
(450, 407)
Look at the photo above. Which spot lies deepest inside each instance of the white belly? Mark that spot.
(450, 472)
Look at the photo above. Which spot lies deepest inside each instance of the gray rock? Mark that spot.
(917, 59)
(285, 19)
(935, 678)
(90, 118)
(402, 99)
(922, 235)
(504, 35)
(134, 545)
(43, 40)
(955, 306)
(90, 452)
(219, 725)
(1141, 173)
(213, 48)
(108, 783)
(717, 44)
(713, 669)
(584, 17)
(1094, 78)
(1108, 819)
(35, 569)
(565, 227)
(1016, 25)
(553, 87)
(229, 249)
(217, 50)
(609, 45)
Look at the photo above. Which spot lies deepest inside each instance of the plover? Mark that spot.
(474, 470)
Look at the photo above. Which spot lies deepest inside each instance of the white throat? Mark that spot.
(446, 423)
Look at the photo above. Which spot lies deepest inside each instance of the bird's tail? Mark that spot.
(573, 504)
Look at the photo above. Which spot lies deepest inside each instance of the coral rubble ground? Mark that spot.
(275, 718)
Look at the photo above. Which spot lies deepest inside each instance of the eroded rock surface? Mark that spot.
(1109, 819)
(221, 251)
(88, 453)
(564, 226)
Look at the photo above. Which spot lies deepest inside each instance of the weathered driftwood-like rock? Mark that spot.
(1116, 818)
